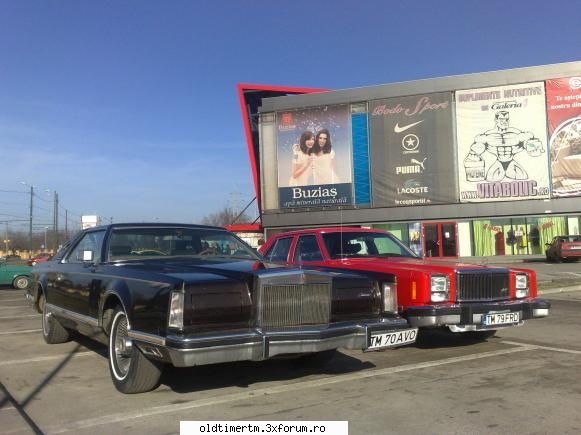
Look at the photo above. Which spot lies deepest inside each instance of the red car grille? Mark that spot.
(482, 285)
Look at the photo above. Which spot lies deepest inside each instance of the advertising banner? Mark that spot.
(412, 150)
(564, 114)
(502, 143)
(314, 157)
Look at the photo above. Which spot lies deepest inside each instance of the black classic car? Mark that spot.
(192, 295)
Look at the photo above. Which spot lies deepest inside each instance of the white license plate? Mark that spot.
(500, 319)
(392, 339)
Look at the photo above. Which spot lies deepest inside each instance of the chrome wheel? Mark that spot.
(121, 347)
(21, 282)
(45, 317)
(131, 371)
(53, 331)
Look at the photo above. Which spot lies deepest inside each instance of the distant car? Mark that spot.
(15, 275)
(43, 256)
(566, 248)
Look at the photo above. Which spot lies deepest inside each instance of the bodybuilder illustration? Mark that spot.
(504, 142)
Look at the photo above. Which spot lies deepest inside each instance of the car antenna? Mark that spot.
(341, 232)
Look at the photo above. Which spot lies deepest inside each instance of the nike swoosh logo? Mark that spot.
(399, 129)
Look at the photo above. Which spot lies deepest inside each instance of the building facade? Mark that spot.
(474, 165)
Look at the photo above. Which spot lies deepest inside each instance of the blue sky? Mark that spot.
(129, 108)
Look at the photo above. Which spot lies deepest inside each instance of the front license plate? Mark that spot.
(392, 339)
(500, 319)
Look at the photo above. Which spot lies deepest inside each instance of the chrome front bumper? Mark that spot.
(257, 344)
(468, 316)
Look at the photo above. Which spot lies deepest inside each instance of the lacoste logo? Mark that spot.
(399, 129)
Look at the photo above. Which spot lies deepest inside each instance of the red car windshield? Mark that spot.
(365, 244)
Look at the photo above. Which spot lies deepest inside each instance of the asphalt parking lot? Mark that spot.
(524, 380)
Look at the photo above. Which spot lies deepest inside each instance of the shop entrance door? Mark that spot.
(440, 239)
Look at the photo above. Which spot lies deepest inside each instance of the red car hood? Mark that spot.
(398, 263)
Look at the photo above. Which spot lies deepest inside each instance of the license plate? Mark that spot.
(500, 319)
(392, 339)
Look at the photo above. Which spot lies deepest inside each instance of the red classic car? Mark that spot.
(566, 248)
(39, 258)
(431, 293)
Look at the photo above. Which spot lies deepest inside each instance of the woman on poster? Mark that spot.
(304, 154)
(324, 163)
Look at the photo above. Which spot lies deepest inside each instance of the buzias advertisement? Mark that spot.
(314, 158)
(502, 143)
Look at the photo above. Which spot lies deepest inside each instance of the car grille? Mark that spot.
(284, 305)
(482, 285)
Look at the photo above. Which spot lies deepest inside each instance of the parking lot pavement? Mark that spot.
(524, 380)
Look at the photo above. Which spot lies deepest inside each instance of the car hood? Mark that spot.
(393, 264)
(193, 270)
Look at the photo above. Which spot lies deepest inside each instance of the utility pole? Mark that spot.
(56, 222)
(66, 224)
(30, 223)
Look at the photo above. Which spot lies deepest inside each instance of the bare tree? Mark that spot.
(226, 216)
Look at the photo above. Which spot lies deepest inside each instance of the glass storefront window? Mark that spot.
(490, 237)
(398, 230)
(518, 236)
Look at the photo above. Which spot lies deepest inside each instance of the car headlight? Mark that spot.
(176, 311)
(389, 297)
(439, 288)
(522, 285)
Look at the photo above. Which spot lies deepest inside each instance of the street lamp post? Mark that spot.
(30, 221)
(45, 247)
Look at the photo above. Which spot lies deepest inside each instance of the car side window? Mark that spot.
(89, 242)
(279, 252)
(307, 250)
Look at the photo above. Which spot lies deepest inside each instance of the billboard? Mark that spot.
(564, 114)
(412, 150)
(502, 143)
(314, 157)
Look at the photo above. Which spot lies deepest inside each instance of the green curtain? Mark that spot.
(483, 239)
(551, 227)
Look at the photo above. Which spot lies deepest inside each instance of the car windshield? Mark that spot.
(201, 243)
(365, 244)
(570, 238)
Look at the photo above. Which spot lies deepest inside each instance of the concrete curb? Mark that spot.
(574, 288)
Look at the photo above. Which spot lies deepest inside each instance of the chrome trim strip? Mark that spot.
(71, 315)
(540, 312)
(146, 337)
(212, 338)
(468, 328)
(434, 320)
